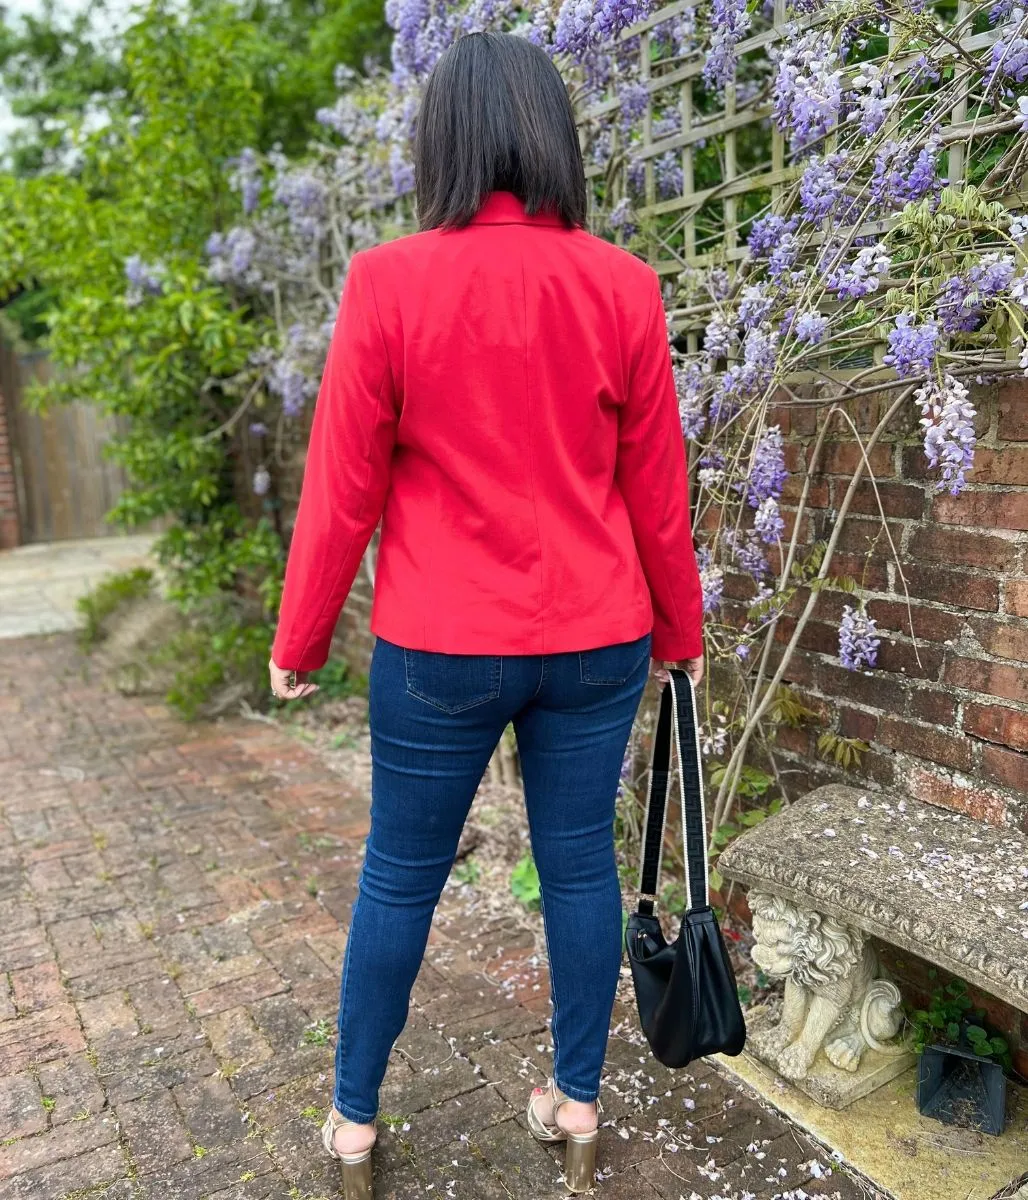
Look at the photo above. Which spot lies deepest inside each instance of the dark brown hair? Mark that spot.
(496, 117)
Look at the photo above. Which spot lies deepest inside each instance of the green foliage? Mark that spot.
(337, 681)
(107, 597)
(184, 90)
(524, 882)
(845, 751)
(316, 1034)
(468, 872)
(947, 1021)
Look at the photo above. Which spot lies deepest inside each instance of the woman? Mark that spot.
(499, 393)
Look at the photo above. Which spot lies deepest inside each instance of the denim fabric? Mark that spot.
(435, 721)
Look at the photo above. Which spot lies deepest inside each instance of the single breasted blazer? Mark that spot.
(501, 397)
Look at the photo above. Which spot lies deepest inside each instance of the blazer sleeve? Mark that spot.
(652, 477)
(346, 477)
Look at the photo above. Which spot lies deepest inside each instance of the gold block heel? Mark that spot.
(356, 1167)
(580, 1148)
(580, 1163)
(357, 1177)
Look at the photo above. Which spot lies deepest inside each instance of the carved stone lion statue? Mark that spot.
(833, 995)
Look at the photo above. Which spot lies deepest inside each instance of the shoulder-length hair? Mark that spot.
(496, 116)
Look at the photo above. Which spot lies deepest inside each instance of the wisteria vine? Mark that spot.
(866, 268)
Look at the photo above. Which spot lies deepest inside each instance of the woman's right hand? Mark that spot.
(693, 667)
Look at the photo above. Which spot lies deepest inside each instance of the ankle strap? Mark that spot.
(560, 1098)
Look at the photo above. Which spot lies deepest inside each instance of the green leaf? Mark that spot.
(524, 882)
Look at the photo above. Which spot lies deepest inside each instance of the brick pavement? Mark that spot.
(173, 909)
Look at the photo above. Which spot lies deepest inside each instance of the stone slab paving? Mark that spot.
(40, 584)
(169, 987)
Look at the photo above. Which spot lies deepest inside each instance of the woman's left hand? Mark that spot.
(290, 685)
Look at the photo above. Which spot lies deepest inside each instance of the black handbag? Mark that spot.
(686, 991)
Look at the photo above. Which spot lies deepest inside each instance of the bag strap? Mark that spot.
(676, 721)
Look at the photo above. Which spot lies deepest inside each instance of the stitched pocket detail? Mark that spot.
(453, 682)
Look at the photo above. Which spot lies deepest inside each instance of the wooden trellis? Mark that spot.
(734, 139)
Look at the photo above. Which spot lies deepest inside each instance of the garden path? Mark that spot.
(173, 909)
(41, 583)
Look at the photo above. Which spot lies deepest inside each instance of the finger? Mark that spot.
(299, 692)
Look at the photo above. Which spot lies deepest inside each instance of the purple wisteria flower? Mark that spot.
(1022, 108)
(246, 179)
(689, 385)
(768, 523)
(621, 217)
(718, 338)
(756, 302)
(258, 429)
(810, 327)
(767, 232)
(821, 187)
(912, 348)
(718, 283)
(668, 175)
(424, 29)
(633, 99)
(712, 468)
(584, 24)
(401, 169)
(748, 553)
(767, 470)
(783, 258)
(864, 275)
(1009, 60)
(303, 195)
(808, 87)
(858, 639)
(922, 70)
(962, 298)
(872, 103)
(947, 418)
(906, 172)
(760, 357)
(144, 278)
(261, 481)
(232, 257)
(712, 580)
(729, 23)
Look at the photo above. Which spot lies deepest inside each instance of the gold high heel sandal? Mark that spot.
(356, 1167)
(580, 1155)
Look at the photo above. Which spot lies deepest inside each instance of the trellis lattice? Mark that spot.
(735, 165)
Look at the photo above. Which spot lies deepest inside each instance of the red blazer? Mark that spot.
(501, 397)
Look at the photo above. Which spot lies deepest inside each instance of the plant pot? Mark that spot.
(959, 1087)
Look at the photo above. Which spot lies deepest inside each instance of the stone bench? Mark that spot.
(842, 866)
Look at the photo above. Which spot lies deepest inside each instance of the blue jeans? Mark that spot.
(435, 721)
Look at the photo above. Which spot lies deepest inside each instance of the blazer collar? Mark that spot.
(504, 208)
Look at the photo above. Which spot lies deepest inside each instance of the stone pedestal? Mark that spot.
(824, 1083)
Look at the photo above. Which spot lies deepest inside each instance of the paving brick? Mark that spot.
(56, 1144)
(87, 1173)
(21, 1107)
(155, 1132)
(39, 1037)
(73, 1086)
(210, 1112)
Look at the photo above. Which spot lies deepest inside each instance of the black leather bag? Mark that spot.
(688, 1001)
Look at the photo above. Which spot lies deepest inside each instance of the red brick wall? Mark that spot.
(10, 532)
(947, 717)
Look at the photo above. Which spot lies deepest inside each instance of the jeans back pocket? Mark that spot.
(452, 682)
(614, 664)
